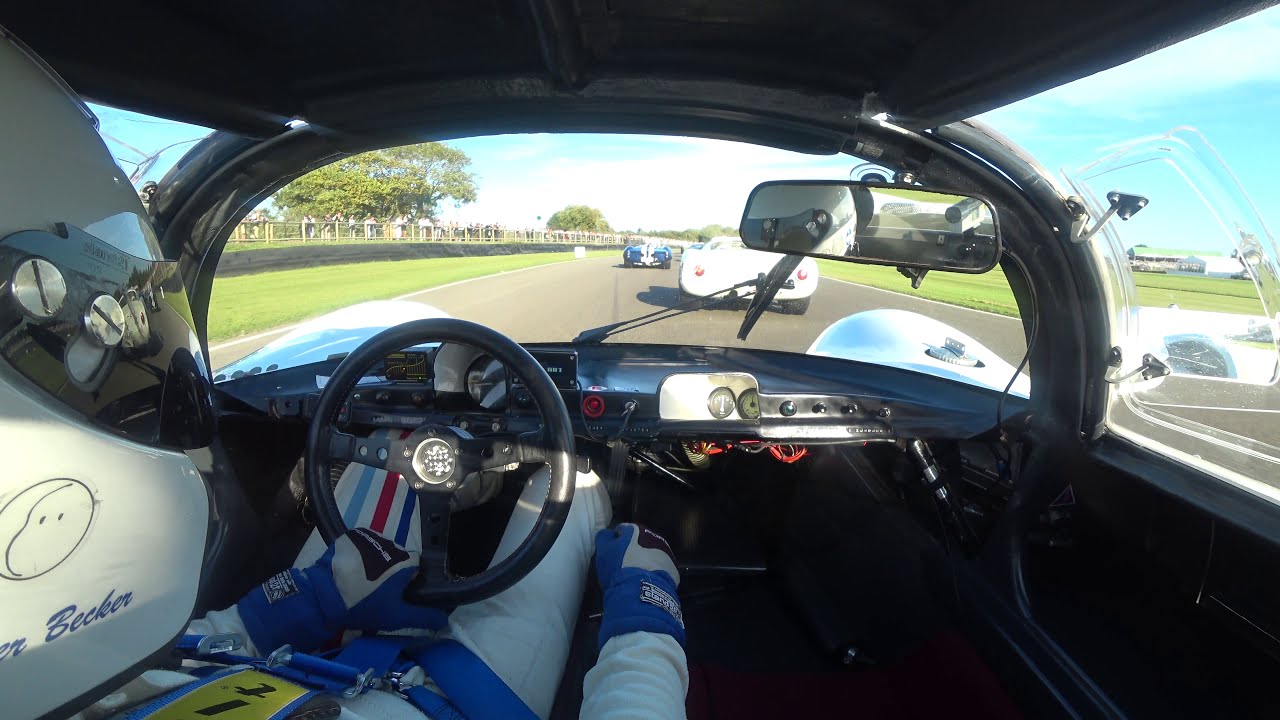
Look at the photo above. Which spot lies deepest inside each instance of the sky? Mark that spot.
(1225, 83)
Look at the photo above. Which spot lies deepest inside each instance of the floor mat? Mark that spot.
(945, 678)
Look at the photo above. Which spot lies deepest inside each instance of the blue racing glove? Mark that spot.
(358, 584)
(638, 576)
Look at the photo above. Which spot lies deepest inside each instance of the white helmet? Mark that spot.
(809, 217)
(102, 518)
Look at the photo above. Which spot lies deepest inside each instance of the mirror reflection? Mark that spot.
(873, 223)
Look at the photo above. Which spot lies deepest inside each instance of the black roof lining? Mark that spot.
(247, 66)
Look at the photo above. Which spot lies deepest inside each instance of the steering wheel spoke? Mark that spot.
(495, 451)
(433, 565)
(383, 452)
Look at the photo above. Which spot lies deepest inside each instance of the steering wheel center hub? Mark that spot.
(434, 460)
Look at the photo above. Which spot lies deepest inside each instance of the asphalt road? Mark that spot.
(556, 302)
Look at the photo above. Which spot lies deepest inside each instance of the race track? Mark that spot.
(556, 302)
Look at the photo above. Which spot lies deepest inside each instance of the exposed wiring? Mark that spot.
(788, 453)
(703, 447)
(782, 453)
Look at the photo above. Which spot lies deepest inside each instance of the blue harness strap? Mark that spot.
(472, 688)
(239, 691)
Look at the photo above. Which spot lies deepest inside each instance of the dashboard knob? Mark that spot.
(104, 320)
(849, 409)
(38, 288)
(382, 396)
(787, 408)
(418, 398)
(820, 407)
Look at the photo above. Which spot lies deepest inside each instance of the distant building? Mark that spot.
(1209, 266)
(1150, 259)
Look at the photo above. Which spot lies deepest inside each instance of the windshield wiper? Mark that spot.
(769, 288)
(597, 335)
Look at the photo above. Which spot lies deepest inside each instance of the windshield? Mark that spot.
(544, 236)
(145, 147)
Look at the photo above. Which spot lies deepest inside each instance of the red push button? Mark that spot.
(593, 406)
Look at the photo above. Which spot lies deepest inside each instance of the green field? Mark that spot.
(990, 291)
(246, 246)
(252, 303)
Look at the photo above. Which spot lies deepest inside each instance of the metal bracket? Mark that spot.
(1124, 205)
(1151, 368)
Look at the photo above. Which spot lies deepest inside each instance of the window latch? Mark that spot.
(1151, 368)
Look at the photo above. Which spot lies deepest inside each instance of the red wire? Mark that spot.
(788, 453)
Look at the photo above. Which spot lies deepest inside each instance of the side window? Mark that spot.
(1195, 288)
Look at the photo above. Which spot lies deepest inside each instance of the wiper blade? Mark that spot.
(598, 334)
(767, 290)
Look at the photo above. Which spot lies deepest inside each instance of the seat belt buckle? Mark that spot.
(220, 643)
(394, 682)
(217, 644)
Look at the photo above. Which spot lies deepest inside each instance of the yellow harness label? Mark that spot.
(243, 695)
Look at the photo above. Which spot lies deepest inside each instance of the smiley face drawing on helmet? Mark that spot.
(42, 525)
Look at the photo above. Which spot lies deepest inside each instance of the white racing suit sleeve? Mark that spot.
(638, 675)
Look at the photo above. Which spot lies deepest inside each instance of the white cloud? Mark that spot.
(660, 182)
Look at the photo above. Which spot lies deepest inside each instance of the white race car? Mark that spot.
(724, 261)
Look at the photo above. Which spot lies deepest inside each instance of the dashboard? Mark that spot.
(637, 393)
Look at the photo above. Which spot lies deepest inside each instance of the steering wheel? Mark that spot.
(436, 460)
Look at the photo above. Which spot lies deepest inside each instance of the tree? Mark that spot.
(579, 217)
(710, 231)
(410, 180)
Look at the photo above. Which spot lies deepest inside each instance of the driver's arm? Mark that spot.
(642, 670)
(356, 584)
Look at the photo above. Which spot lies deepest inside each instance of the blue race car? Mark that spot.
(647, 255)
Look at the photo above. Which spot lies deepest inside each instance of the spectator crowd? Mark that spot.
(257, 226)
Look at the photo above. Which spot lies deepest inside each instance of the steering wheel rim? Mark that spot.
(435, 586)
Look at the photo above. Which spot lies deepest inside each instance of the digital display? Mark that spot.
(561, 367)
(412, 367)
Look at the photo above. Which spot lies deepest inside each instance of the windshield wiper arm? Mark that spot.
(597, 335)
(769, 288)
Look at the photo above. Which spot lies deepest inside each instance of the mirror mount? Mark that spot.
(914, 274)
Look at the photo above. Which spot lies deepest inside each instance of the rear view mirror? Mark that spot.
(873, 223)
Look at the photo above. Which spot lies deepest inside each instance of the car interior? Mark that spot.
(853, 539)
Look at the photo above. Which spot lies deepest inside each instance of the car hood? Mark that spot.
(337, 333)
(910, 341)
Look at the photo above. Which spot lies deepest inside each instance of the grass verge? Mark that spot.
(252, 303)
(990, 291)
(243, 246)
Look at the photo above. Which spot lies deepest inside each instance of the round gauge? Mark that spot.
(487, 383)
(749, 404)
(721, 403)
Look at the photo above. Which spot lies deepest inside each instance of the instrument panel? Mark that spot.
(709, 396)
(641, 392)
(407, 367)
